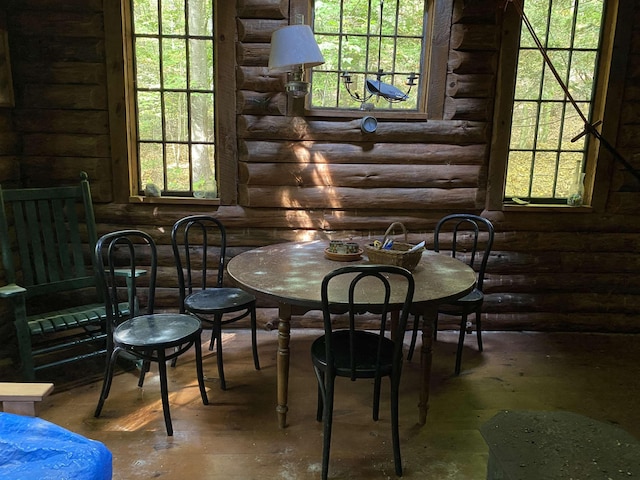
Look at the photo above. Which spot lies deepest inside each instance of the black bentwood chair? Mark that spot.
(468, 238)
(357, 353)
(129, 256)
(199, 248)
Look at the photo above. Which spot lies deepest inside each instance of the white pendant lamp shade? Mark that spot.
(294, 46)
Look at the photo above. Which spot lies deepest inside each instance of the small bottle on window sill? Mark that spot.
(576, 196)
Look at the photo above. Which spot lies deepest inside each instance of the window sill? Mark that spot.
(174, 200)
(398, 115)
(546, 208)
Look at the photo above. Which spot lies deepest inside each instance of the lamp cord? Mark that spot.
(380, 39)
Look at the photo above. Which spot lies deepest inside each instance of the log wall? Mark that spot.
(9, 174)
(314, 177)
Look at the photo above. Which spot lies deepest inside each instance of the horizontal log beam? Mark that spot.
(63, 121)
(254, 103)
(566, 241)
(59, 24)
(81, 97)
(559, 221)
(470, 86)
(258, 30)
(475, 37)
(359, 176)
(61, 72)
(69, 145)
(298, 128)
(560, 282)
(341, 197)
(253, 54)
(558, 303)
(256, 151)
(262, 8)
(475, 109)
(562, 322)
(260, 79)
(578, 263)
(473, 62)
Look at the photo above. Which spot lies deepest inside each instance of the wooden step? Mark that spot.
(21, 398)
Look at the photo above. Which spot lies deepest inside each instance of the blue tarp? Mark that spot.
(32, 448)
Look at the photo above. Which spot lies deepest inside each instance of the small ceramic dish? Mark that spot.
(343, 257)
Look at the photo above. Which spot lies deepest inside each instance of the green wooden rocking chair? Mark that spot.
(47, 240)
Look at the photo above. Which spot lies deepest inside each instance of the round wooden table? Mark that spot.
(291, 274)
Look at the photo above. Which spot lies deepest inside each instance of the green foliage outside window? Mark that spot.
(352, 38)
(543, 161)
(174, 71)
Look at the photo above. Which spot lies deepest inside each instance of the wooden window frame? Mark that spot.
(607, 106)
(431, 105)
(122, 108)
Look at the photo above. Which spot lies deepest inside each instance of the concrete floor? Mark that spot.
(236, 436)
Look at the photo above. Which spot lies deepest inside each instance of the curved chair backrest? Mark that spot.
(193, 239)
(471, 241)
(369, 285)
(125, 260)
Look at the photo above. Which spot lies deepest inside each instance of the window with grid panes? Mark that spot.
(370, 40)
(173, 61)
(547, 156)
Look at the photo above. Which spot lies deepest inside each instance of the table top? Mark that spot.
(292, 273)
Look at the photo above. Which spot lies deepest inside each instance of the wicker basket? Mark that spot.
(398, 254)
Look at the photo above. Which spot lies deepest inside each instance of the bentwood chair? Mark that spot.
(357, 353)
(128, 257)
(199, 247)
(468, 238)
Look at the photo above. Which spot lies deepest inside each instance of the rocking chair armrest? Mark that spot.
(12, 290)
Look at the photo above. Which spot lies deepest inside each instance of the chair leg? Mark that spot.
(216, 321)
(321, 393)
(106, 383)
(164, 391)
(479, 329)
(328, 421)
(376, 397)
(395, 430)
(463, 330)
(200, 371)
(254, 340)
(144, 368)
(216, 337)
(435, 328)
(174, 361)
(24, 343)
(414, 335)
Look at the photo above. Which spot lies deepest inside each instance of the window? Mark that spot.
(366, 42)
(395, 42)
(547, 155)
(172, 45)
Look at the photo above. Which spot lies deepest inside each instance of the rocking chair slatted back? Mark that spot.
(50, 248)
(47, 238)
